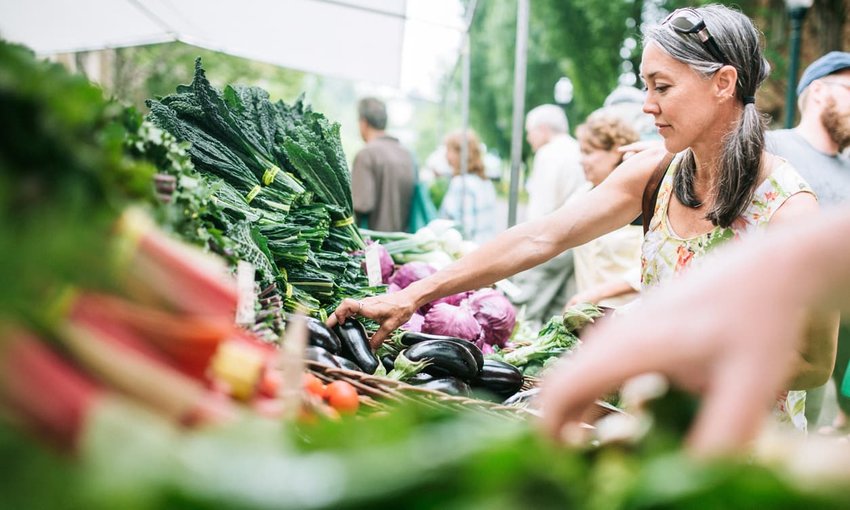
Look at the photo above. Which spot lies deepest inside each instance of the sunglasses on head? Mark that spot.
(688, 21)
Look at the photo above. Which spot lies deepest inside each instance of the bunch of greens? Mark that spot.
(552, 341)
(555, 338)
(267, 183)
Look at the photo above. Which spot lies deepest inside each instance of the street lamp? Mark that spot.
(796, 11)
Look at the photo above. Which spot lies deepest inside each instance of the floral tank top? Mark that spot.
(665, 255)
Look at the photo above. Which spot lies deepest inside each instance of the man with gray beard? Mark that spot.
(815, 148)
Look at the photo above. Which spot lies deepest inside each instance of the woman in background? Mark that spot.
(471, 198)
(607, 269)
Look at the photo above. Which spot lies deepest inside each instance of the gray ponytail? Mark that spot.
(741, 158)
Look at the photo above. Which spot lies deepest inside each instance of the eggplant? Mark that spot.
(445, 356)
(347, 364)
(322, 336)
(411, 338)
(355, 345)
(499, 377)
(320, 356)
(388, 362)
(450, 385)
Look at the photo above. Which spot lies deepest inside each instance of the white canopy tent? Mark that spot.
(359, 40)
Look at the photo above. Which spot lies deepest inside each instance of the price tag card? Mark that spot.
(373, 265)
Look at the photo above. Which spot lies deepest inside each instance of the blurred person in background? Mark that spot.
(471, 198)
(702, 68)
(814, 148)
(382, 176)
(607, 269)
(556, 174)
(727, 332)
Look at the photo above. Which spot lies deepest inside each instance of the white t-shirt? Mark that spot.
(555, 176)
(614, 257)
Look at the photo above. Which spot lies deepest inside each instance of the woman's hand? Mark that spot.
(654, 146)
(389, 310)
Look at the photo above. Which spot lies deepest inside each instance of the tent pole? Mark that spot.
(464, 115)
(519, 106)
(464, 108)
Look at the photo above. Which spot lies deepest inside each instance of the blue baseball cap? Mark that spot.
(832, 62)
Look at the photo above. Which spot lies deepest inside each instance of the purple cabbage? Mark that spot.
(495, 314)
(451, 320)
(411, 272)
(454, 299)
(414, 323)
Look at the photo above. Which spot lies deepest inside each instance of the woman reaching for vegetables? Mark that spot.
(701, 68)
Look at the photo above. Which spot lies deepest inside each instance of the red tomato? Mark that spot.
(313, 385)
(269, 383)
(342, 396)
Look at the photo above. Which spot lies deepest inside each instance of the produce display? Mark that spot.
(128, 380)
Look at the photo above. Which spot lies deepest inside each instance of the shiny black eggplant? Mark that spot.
(347, 364)
(320, 356)
(355, 345)
(411, 338)
(499, 377)
(450, 385)
(445, 356)
(388, 362)
(322, 336)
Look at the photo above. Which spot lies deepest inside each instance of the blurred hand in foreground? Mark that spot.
(729, 331)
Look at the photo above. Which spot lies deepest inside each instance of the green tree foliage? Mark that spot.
(574, 39)
(587, 36)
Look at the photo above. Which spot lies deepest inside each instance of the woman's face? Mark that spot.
(680, 100)
(598, 163)
(453, 156)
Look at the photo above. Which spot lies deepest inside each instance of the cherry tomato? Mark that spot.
(269, 383)
(342, 396)
(313, 385)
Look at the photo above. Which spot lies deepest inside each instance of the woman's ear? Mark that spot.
(725, 80)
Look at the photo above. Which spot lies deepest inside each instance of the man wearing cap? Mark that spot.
(815, 148)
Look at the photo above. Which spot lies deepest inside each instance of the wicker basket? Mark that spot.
(376, 391)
